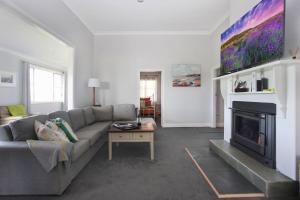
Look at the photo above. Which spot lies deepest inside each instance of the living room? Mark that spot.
(81, 68)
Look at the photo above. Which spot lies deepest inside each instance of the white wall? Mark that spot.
(292, 33)
(216, 63)
(14, 95)
(22, 40)
(118, 60)
(20, 36)
(11, 95)
(56, 18)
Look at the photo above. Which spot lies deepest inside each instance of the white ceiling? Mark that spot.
(152, 16)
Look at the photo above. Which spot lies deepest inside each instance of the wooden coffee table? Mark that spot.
(144, 134)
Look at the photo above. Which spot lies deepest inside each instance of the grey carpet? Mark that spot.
(131, 175)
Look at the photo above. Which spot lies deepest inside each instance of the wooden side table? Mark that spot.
(144, 134)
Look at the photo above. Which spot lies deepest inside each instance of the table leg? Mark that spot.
(109, 149)
(152, 150)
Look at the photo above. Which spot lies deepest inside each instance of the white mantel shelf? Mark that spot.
(246, 93)
(260, 67)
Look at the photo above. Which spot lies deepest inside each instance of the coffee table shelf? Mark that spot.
(144, 134)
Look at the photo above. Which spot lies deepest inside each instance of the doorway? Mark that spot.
(150, 97)
(219, 105)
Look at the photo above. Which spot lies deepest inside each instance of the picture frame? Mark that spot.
(186, 75)
(8, 79)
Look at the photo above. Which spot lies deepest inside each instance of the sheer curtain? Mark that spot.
(26, 87)
(148, 88)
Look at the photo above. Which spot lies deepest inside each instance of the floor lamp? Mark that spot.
(94, 83)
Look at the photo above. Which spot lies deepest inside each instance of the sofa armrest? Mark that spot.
(21, 173)
(11, 146)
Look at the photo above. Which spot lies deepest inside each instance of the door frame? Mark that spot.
(162, 90)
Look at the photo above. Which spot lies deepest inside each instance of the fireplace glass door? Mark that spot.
(249, 130)
(254, 130)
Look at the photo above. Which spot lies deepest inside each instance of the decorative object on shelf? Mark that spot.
(258, 85)
(241, 86)
(270, 90)
(294, 53)
(125, 125)
(94, 83)
(186, 75)
(265, 83)
(262, 84)
(139, 120)
(8, 79)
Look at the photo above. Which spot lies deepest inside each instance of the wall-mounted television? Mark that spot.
(256, 38)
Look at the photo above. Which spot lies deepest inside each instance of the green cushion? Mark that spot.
(17, 110)
(63, 125)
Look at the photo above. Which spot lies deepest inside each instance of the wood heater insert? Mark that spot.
(254, 130)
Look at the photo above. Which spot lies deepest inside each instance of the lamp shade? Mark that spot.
(94, 82)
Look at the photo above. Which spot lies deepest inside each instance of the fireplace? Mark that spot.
(253, 130)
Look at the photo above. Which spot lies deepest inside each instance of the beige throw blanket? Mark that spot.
(50, 153)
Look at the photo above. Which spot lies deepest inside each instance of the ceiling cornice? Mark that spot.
(220, 22)
(210, 32)
(35, 22)
(162, 32)
(102, 33)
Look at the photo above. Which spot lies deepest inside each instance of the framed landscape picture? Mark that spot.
(186, 75)
(7, 79)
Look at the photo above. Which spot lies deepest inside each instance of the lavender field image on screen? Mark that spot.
(258, 37)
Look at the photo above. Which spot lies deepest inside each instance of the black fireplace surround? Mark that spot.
(254, 130)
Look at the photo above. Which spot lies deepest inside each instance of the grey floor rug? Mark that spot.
(132, 176)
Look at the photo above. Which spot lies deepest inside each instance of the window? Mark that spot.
(148, 89)
(46, 85)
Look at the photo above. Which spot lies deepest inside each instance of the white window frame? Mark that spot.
(53, 71)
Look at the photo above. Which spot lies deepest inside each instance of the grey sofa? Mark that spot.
(22, 174)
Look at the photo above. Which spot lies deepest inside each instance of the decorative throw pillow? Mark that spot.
(45, 133)
(54, 127)
(63, 125)
(17, 110)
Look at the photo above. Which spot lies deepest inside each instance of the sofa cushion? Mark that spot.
(23, 129)
(17, 110)
(63, 125)
(124, 112)
(60, 114)
(4, 113)
(89, 115)
(79, 149)
(93, 132)
(104, 113)
(7, 120)
(45, 133)
(5, 133)
(77, 119)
